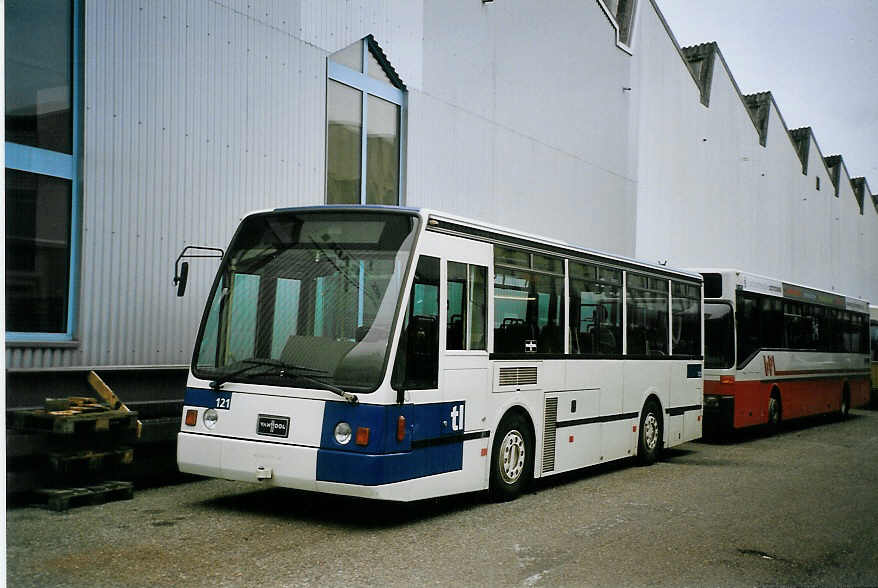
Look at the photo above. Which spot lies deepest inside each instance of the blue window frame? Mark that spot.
(43, 151)
(365, 134)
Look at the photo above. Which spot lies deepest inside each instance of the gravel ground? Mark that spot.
(795, 508)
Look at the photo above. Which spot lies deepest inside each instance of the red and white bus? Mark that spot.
(778, 351)
(873, 330)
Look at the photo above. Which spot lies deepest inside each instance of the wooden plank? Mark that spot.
(108, 396)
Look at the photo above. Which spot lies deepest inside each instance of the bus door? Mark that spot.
(464, 365)
(442, 365)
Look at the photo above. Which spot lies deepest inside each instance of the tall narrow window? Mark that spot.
(41, 39)
(467, 306)
(686, 319)
(417, 355)
(365, 102)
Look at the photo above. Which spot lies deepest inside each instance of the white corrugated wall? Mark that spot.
(197, 111)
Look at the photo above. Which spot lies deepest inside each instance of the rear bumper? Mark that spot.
(719, 414)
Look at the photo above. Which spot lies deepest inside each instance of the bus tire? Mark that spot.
(774, 411)
(512, 458)
(845, 406)
(649, 439)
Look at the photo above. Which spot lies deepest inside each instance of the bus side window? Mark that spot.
(455, 329)
(686, 319)
(647, 315)
(417, 356)
(467, 306)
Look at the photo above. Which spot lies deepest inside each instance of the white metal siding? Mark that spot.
(196, 112)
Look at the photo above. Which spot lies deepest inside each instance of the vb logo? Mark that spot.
(457, 417)
(768, 362)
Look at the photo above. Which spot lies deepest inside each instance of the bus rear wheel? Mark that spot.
(649, 441)
(512, 458)
(774, 412)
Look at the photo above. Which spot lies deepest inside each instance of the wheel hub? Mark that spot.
(512, 457)
(650, 431)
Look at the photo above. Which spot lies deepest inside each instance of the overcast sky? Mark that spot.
(819, 58)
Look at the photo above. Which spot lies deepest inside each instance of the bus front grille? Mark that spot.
(549, 434)
(518, 376)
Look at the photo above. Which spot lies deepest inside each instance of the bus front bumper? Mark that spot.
(719, 414)
(294, 466)
(290, 466)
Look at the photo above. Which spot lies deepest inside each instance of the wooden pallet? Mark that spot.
(89, 460)
(61, 499)
(70, 422)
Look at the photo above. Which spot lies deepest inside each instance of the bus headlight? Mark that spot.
(343, 433)
(211, 416)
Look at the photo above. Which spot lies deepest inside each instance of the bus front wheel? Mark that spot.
(845, 406)
(512, 458)
(649, 441)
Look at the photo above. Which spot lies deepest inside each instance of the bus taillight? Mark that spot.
(400, 428)
(727, 379)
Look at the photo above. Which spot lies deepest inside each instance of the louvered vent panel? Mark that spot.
(518, 376)
(549, 434)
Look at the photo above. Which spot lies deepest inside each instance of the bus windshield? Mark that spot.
(719, 340)
(308, 296)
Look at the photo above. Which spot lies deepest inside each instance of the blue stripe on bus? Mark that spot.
(433, 443)
(207, 398)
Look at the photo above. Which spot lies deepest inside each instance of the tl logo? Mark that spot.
(768, 362)
(457, 417)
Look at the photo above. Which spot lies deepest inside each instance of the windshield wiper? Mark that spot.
(261, 362)
(352, 398)
(286, 370)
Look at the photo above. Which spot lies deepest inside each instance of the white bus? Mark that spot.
(349, 350)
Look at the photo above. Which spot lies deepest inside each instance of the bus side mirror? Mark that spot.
(180, 281)
(181, 270)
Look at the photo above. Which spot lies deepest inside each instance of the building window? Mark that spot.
(621, 12)
(365, 113)
(42, 151)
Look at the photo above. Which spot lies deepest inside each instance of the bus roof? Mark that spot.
(444, 222)
(751, 282)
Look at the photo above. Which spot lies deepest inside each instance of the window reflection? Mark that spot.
(382, 169)
(344, 111)
(39, 59)
(37, 252)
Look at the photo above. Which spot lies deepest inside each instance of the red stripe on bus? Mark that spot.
(798, 398)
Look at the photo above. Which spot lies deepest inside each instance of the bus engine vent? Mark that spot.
(549, 434)
(518, 376)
